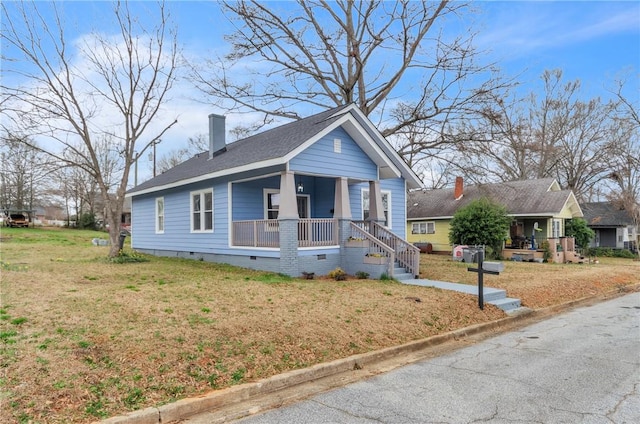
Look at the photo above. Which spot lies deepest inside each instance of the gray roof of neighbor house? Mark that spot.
(261, 149)
(606, 214)
(541, 197)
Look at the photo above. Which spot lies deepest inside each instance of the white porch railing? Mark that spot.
(405, 253)
(256, 233)
(312, 232)
(317, 232)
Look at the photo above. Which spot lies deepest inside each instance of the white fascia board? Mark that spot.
(430, 218)
(410, 175)
(360, 136)
(248, 167)
(579, 213)
(530, 215)
(554, 186)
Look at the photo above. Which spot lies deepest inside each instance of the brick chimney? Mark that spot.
(459, 189)
(217, 143)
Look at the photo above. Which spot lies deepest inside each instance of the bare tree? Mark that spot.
(393, 59)
(72, 95)
(624, 182)
(195, 145)
(24, 174)
(551, 134)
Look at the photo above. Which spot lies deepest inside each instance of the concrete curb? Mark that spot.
(233, 396)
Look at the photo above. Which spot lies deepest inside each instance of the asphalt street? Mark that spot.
(582, 366)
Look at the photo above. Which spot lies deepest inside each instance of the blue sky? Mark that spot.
(589, 40)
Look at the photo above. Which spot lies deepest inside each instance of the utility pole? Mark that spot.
(154, 157)
(135, 179)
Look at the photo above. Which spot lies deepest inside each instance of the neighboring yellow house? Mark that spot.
(532, 204)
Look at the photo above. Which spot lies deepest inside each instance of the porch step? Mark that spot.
(400, 274)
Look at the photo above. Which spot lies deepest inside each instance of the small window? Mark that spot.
(160, 215)
(337, 145)
(202, 211)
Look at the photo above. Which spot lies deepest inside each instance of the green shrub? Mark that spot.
(577, 228)
(624, 253)
(607, 252)
(128, 257)
(337, 274)
(546, 248)
(481, 222)
(362, 275)
(87, 221)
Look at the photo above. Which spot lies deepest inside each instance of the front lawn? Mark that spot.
(83, 338)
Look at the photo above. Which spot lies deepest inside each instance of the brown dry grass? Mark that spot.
(541, 285)
(82, 338)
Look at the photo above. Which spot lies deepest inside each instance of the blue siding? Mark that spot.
(398, 202)
(177, 229)
(321, 159)
(248, 198)
(323, 198)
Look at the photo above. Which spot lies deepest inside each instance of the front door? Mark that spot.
(303, 206)
(303, 213)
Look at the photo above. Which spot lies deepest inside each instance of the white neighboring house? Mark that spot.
(614, 226)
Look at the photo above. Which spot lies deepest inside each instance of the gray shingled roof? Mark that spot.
(526, 197)
(271, 144)
(605, 214)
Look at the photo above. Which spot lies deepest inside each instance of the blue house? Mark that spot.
(307, 197)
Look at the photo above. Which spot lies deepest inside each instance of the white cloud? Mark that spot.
(517, 29)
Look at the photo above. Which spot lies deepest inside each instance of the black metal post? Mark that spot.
(481, 271)
(480, 280)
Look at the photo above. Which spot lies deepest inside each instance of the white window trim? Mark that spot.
(337, 145)
(158, 229)
(426, 227)
(433, 224)
(270, 226)
(556, 228)
(389, 208)
(202, 212)
(266, 192)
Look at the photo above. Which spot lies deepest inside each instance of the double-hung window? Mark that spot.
(202, 211)
(386, 206)
(160, 215)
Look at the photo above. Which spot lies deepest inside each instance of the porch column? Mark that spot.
(376, 211)
(288, 201)
(341, 206)
(342, 209)
(288, 225)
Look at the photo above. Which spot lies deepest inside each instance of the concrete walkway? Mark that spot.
(497, 297)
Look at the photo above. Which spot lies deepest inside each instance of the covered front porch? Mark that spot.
(530, 233)
(290, 231)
